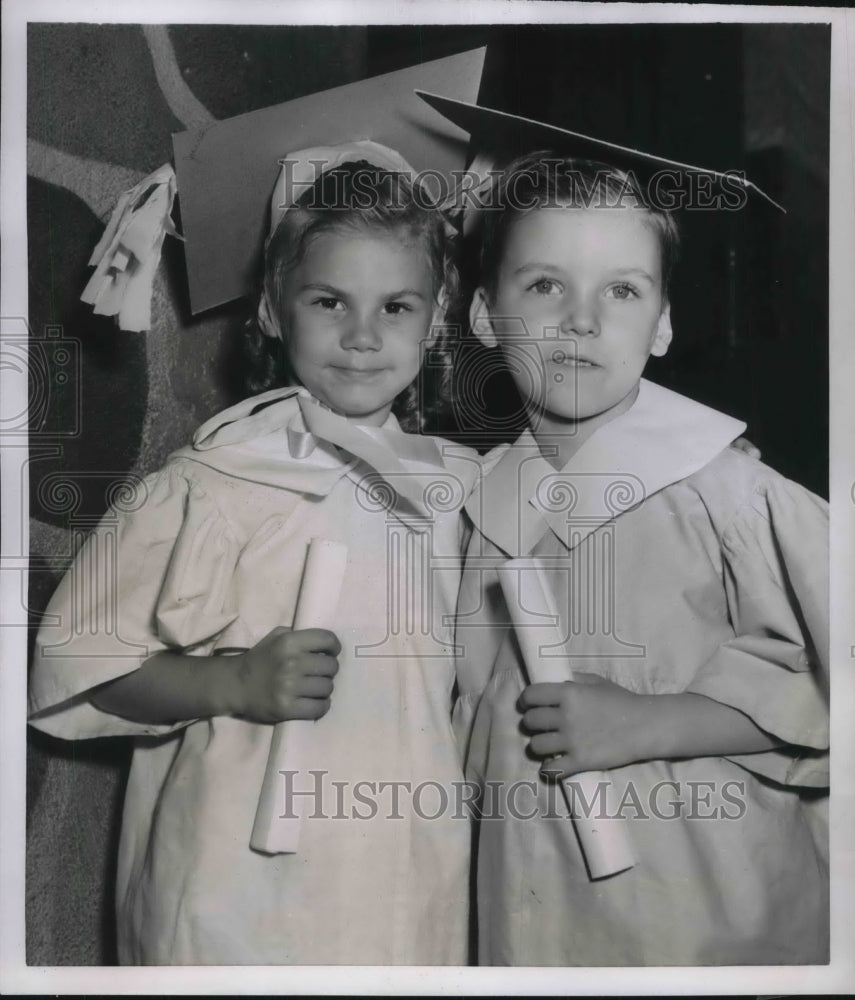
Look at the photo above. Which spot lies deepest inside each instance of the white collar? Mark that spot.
(263, 439)
(662, 438)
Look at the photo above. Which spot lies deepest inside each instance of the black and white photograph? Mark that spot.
(428, 498)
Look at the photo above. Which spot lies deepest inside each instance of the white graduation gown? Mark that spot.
(678, 564)
(209, 558)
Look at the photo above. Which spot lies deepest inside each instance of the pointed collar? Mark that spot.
(662, 438)
(286, 438)
(432, 476)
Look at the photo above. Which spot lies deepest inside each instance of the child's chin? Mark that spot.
(360, 410)
(354, 399)
(577, 410)
(570, 405)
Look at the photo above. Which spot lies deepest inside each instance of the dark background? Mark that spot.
(749, 300)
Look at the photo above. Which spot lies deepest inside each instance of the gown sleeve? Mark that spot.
(150, 578)
(775, 669)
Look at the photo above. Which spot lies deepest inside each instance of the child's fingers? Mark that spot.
(313, 640)
(306, 640)
(318, 665)
(541, 720)
(536, 695)
(547, 744)
(310, 708)
(315, 687)
(744, 445)
(559, 768)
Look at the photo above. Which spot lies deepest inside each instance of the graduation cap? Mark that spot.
(227, 171)
(499, 137)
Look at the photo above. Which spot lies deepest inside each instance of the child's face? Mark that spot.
(359, 308)
(579, 302)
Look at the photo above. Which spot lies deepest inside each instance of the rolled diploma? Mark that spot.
(274, 832)
(605, 842)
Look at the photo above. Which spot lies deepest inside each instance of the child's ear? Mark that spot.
(662, 337)
(479, 319)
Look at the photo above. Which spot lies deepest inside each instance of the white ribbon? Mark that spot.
(299, 171)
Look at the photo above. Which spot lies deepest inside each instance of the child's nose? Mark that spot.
(361, 334)
(582, 318)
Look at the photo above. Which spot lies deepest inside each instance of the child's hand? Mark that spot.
(746, 447)
(287, 675)
(591, 724)
(588, 724)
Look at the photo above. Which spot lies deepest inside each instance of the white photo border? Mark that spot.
(839, 976)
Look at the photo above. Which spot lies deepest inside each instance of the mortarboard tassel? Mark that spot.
(128, 253)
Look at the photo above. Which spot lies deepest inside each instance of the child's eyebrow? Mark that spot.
(537, 266)
(317, 286)
(621, 272)
(635, 272)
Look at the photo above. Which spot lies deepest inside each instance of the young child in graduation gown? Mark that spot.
(207, 562)
(691, 585)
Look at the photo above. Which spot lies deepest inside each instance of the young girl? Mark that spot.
(691, 583)
(207, 562)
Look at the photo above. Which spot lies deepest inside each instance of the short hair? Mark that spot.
(361, 197)
(545, 179)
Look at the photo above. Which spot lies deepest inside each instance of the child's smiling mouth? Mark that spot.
(357, 373)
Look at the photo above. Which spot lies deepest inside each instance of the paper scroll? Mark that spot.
(277, 822)
(605, 842)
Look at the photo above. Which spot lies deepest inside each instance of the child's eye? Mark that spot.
(328, 302)
(397, 308)
(545, 286)
(622, 292)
